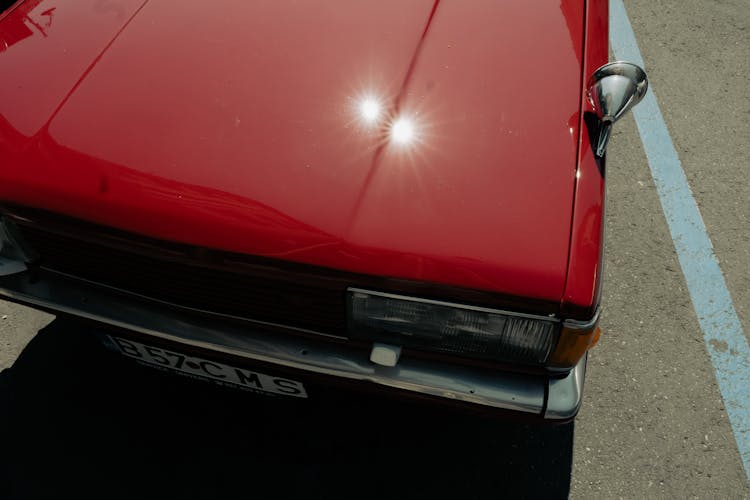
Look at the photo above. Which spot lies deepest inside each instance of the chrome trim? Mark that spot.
(515, 392)
(565, 394)
(548, 319)
(573, 324)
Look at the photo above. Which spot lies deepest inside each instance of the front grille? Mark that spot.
(185, 276)
(296, 296)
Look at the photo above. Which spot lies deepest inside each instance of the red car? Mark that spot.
(277, 195)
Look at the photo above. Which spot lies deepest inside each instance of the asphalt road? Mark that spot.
(653, 424)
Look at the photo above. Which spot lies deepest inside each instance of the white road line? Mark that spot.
(722, 331)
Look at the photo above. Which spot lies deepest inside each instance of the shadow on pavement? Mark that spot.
(78, 421)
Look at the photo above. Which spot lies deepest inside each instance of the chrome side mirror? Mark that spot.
(612, 90)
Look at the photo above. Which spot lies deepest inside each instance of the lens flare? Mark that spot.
(370, 110)
(402, 131)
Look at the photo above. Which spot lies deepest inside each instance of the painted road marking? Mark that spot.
(722, 331)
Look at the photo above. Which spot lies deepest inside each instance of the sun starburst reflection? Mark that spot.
(370, 110)
(377, 113)
(402, 131)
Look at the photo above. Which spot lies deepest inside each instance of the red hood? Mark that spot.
(234, 124)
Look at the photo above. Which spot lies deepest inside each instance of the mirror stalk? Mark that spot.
(613, 90)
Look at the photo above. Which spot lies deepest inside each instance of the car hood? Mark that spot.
(239, 125)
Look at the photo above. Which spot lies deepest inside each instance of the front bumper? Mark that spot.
(552, 398)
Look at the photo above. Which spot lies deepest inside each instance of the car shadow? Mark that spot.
(78, 421)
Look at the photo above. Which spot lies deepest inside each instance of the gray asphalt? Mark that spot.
(653, 424)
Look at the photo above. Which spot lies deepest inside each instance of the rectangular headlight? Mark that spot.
(454, 328)
(13, 255)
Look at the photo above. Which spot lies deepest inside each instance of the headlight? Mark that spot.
(455, 328)
(13, 255)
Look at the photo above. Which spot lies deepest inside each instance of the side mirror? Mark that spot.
(612, 90)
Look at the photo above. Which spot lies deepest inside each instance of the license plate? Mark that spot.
(192, 366)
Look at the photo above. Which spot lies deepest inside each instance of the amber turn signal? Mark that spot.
(573, 344)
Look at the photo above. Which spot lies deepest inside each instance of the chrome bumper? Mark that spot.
(552, 398)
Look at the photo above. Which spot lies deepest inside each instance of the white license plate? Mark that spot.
(208, 370)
